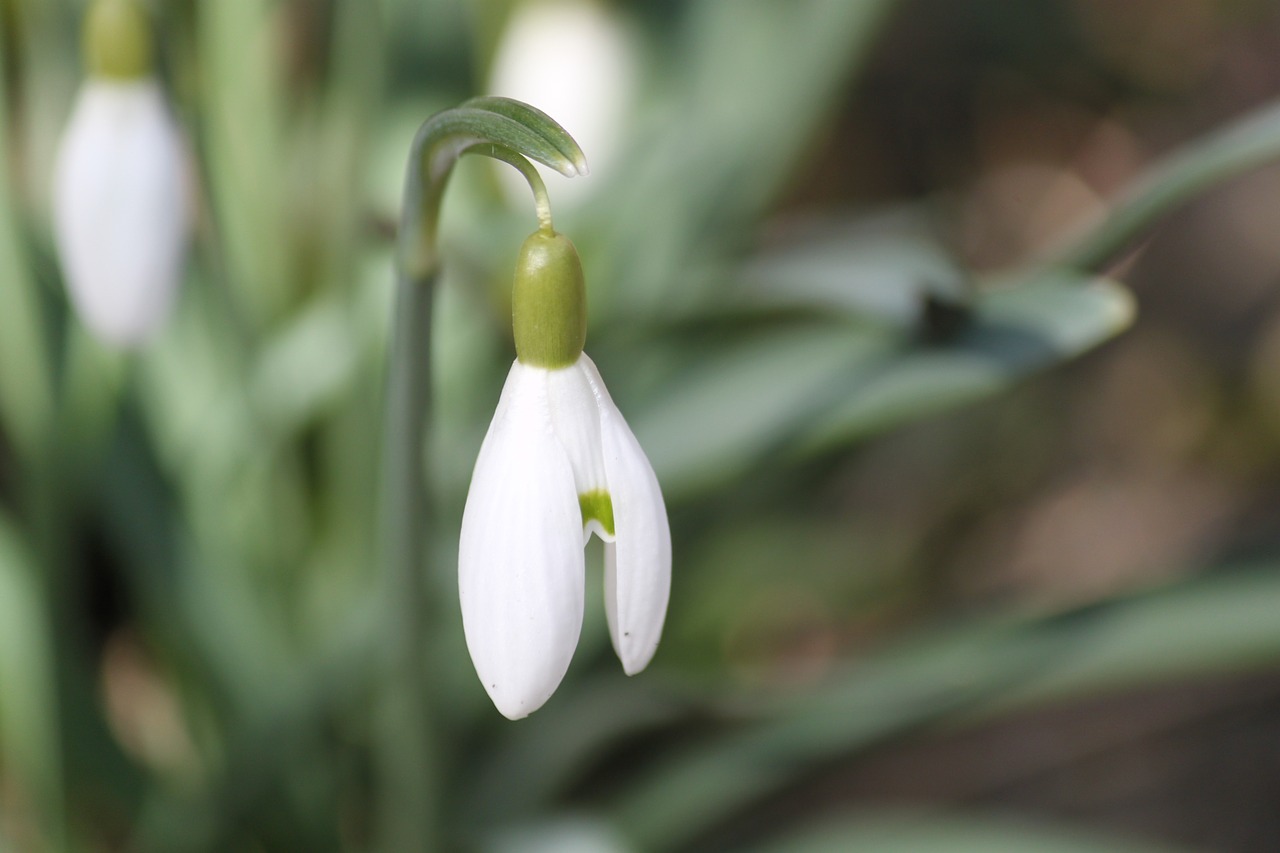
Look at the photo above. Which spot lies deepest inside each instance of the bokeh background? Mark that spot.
(955, 569)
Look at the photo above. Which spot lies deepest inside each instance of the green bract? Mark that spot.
(117, 40)
(549, 302)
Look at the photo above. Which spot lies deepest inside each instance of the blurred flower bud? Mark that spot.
(577, 60)
(121, 192)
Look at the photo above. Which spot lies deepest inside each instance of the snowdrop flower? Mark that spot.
(120, 195)
(558, 464)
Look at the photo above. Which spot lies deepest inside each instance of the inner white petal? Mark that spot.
(575, 418)
(594, 526)
(637, 578)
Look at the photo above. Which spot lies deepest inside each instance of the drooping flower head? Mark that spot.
(121, 192)
(558, 464)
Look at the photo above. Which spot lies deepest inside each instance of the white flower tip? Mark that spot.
(581, 165)
(633, 664)
(516, 705)
(520, 674)
(636, 650)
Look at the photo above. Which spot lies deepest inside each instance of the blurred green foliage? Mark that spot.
(192, 649)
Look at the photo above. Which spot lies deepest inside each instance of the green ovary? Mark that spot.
(549, 302)
(597, 505)
(117, 40)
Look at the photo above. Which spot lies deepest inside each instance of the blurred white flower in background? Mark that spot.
(569, 834)
(121, 194)
(578, 61)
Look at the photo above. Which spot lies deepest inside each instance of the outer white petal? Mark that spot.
(637, 579)
(121, 208)
(520, 561)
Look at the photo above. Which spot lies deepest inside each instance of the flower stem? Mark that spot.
(541, 201)
(409, 793)
(508, 131)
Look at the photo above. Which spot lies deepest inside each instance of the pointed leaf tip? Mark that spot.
(554, 146)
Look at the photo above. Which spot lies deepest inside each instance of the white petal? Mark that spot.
(575, 416)
(121, 208)
(520, 561)
(637, 576)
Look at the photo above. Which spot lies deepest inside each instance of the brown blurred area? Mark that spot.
(1152, 458)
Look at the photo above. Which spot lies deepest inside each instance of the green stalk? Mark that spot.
(27, 410)
(508, 131)
(409, 792)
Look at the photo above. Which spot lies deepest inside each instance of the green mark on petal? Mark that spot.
(598, 506)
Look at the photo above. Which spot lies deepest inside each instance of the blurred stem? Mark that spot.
(26, 406)
(48, 518)
(409, 792)
(508, 131)
(54, 487)
(1233, 150)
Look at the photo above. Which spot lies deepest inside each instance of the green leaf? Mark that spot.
(877, 268)
(26, 392)
(728, 409)
(244, 142)
(1011, 334)
(804, 390)
(742, 123)
(501, 128)
(1221, 622)
(528, 130)
(916, 832)
(305, 367)
(29, 743)
(557, 749)
(1204, 163)
(907, 688)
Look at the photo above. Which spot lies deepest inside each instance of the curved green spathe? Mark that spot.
(501, 128)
